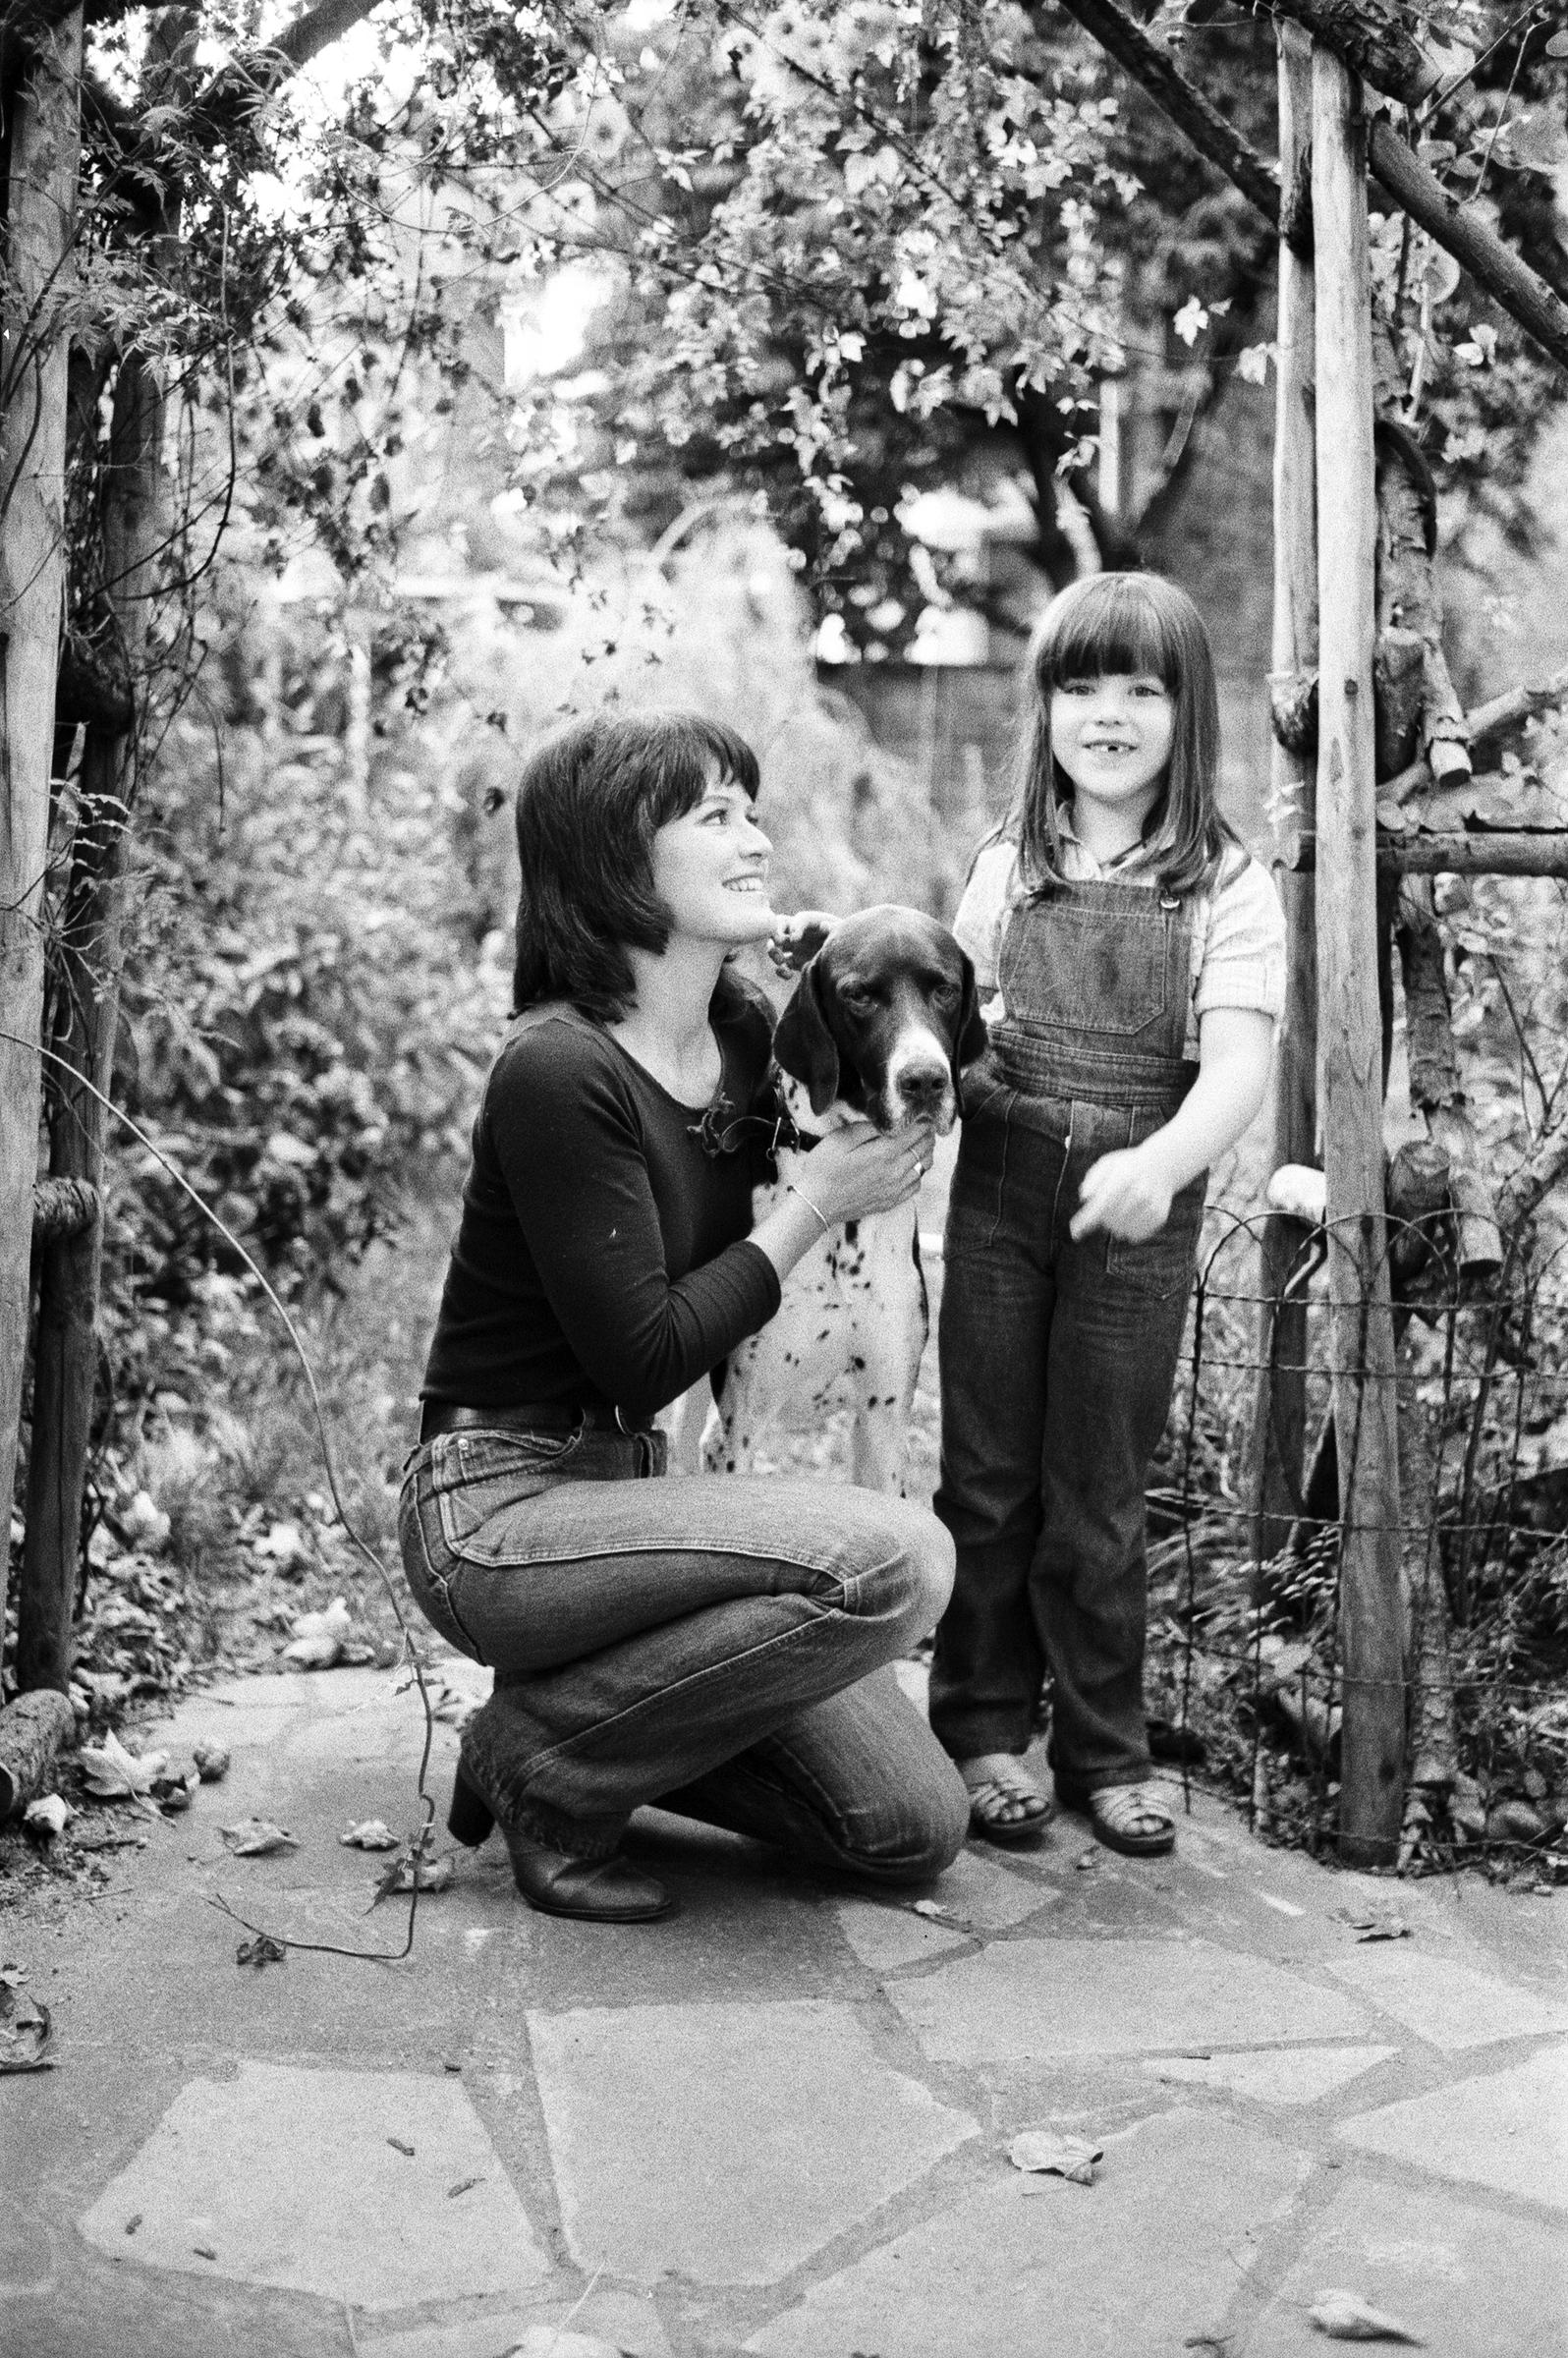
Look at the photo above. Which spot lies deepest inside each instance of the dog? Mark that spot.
(880, 1026)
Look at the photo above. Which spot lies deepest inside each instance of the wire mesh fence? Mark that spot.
(1247, 1674)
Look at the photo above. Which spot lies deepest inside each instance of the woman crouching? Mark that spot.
(718, 1645)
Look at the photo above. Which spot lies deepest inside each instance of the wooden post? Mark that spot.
(1279, 1410)
(41, 229)
(65, 1362)
(1364, 1408)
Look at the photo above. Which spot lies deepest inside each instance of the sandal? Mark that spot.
(1131, 1819)
(997, 1785)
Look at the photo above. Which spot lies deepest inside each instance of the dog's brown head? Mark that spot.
(883, 1020)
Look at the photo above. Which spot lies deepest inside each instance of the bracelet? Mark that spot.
(790, 1189)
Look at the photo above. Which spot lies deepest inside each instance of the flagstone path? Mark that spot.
(777, 2123)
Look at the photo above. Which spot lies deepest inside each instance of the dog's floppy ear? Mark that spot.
(803, 1043)
(972, 1038)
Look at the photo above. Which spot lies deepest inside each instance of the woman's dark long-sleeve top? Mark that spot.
(602, 1257)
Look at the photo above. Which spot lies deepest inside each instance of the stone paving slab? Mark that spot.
(1447, 2000)
(884, 1937)
(726, 2142)
(1128, 2267)
(1472, 2280)
(1278, 2075)
(1508, 2132)
(1027, 1997)
(300, 2180)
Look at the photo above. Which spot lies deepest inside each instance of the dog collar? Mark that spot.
(717, 1134)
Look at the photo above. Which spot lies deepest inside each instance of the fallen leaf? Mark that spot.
(398, 2146)
(25, 2032)
(1374, 1923)
(203, 2251)
(111, 1773)
(1085, 1860)
(935, 1913)
(434, 1875)
(334, 1622)
(1515, 1821)
(372, 1834)
(262, 1950)
(47, 1817)
(1051, 2153)
(145, 1522)
(211, 1761)
(256, 1837)
(1346, 2316)
(286, 1544)
(462, 2187)
(132, 2222)
(172, 1790)
(320, 1653)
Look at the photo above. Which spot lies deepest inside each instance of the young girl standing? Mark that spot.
(1136, 955)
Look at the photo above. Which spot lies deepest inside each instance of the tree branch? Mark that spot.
(1511, 283)
(1194, 116)
(1519, 1195)
(1356, 30)
(234, 93)
(238, 88)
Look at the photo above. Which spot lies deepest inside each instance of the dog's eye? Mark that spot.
(857, 994)
(946, 995)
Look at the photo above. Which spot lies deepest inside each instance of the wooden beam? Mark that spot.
(1373, 38)
(1277, 1451)
(1490, 720)
(1482, 855)
(63, 1208)
(1349, 1025)
(1460, 231)
(1197, 118)
(35, 335)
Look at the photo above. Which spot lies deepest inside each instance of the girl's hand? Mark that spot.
(858, 1171)
(799, 938)
(1126, 1193)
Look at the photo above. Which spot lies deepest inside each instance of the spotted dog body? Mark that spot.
(880, 1025)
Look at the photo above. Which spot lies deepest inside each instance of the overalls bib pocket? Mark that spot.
(1108, 982)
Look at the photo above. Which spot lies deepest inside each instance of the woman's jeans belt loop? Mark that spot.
(544, 1417)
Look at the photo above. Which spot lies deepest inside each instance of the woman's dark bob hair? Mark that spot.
(1143, 624)
(589, 805)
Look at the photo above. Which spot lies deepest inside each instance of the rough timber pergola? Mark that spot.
(1347, 681)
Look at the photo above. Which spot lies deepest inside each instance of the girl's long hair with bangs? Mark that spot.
(1137, 623)
(588, 805)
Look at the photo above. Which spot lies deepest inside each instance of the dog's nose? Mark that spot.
(921, 1087)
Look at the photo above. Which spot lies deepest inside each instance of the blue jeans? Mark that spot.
(719, 1646)
(1058, 1361)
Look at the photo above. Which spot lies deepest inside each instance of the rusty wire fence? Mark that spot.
(1244, 1683)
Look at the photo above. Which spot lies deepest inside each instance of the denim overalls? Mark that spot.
(1058, 1359)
